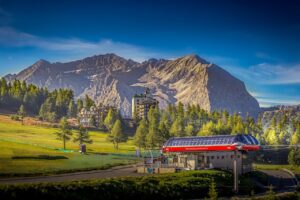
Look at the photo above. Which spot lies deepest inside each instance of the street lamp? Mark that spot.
(235, 170)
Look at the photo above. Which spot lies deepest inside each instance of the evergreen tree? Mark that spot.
(22, 113)
(83, 136)
(207, 129)
(88, 102)
(140, 134)
(153, 138)
(65, 132)
(110, 119)
(212, 193)
(177, 128)
(271, 137)
(295, 140)
(116, 136)
(189, 130)
(164, 126)
(294, 156)
(72, 109)
(79, 105)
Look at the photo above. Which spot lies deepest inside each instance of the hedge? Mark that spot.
(167, 186)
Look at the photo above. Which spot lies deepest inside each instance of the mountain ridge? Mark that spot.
(111, 79)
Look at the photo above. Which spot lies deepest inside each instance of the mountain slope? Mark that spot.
(111, 79)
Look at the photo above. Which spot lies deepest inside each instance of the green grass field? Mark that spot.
(28, 149)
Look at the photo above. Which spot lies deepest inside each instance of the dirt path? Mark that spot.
(119, 171)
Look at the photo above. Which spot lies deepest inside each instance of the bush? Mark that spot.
(15, 117)
(167, 186)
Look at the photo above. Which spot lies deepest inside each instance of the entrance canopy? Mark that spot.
(212, 143)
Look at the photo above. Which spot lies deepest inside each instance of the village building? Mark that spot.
(141, 104)
(209, 152)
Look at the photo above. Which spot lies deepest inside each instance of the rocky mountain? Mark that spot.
(280, 112)
(111, 79)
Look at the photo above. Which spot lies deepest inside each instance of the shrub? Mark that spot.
(15, 117)
(166, 186)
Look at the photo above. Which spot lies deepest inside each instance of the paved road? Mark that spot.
(119, 171)
(280, 180)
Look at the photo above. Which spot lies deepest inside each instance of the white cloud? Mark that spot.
(267, 102)
(269, 74)
(11, 37)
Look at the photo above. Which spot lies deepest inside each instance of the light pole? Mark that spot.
(235, 170)
(235, 174)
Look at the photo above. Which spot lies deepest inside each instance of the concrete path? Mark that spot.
(119, 171)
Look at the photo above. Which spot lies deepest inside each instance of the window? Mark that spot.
(222, 157)
(212, 157)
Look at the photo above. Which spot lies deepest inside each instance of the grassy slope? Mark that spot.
(25, 140)
(295, 169)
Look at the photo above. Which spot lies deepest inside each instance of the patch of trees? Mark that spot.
(18, 96)
(180, 121)
(177, 121)
(65, 134)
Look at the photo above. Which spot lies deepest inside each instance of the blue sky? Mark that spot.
(255, 40)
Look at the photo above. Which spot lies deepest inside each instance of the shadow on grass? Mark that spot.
(40, 157)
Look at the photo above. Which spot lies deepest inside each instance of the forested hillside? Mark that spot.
(38, 101)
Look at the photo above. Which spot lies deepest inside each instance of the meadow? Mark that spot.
(34, 149)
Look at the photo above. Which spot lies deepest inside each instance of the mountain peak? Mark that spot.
(193, 58)
(42, 61)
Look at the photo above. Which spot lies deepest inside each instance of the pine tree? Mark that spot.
(88, 102)
(65, 132)
(177, 128)
(295, 140)
(110, 119)
(72, 109)
(116, 136)
(212, 193)
(22, 113)
(79, 105)
(271, 137)
(82, 136)
(153, 138)
(140, 134)
(164, 126)
(189, 130)
(207, 129)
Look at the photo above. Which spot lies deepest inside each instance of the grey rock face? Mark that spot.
(113, 80)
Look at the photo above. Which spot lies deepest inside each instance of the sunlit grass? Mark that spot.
(26, 140)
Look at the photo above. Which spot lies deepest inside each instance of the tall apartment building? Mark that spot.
(141, 104)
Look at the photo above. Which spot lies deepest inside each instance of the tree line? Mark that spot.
(180, 121)
(38, 101)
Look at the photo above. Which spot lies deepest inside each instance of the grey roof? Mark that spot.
(214, 140)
